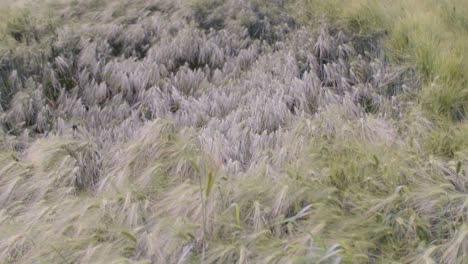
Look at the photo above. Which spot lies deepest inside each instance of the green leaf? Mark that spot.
(209, 184)
(129, 235)
(236, 206)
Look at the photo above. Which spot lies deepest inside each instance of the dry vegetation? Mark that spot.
(222, 131)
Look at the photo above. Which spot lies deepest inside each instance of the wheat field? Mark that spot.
(233, 131)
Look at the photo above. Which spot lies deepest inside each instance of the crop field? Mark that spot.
(234, 131)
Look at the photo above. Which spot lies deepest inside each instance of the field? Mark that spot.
(234, 131)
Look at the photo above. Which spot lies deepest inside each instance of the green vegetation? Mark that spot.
(220, 131)
(428, 35)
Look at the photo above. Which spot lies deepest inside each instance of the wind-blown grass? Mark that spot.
(428, 35)
(157, 131)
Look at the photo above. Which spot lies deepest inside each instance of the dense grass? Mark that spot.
(428, 35)
(205, 131)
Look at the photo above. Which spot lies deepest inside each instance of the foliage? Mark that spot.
(206, 131)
